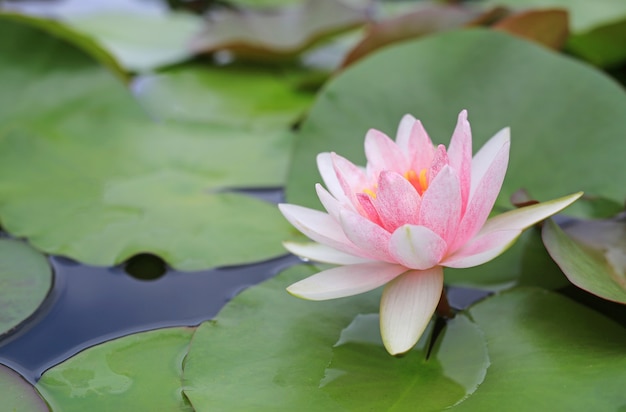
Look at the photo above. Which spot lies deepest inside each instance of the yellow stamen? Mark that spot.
(423, 180)
(419, 182)
(370, 192)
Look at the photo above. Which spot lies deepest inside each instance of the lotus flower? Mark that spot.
(414, 209)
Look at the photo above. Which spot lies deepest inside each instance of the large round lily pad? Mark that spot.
(25, 279)
(139, 372)
(562, 113)
(86, 173)
(289, 353)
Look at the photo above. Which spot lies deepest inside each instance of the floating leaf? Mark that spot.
(137, 372)
(277, 33)
(501, 81)
(449, 373)
(603, 46)
(584, 15)
(274, 345)
(141, 35)
(279, 349)
(592, 254)
(77, 39)
(547, 353)
(546, 27)
(262, 101)
(17, 394)
(25, 279)
(85, 173)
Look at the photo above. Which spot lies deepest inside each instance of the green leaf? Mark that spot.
(258, 100)
(81, 41)
(584, 15)
(141, 35)
(279, 348)
(141, 41)
(137, 372)
(17, 394)
(85, 173)
(450, 373)
(602, 46)
(547, 353)
(25, 279)
(592, 256)
(501, 81)
(275, 346)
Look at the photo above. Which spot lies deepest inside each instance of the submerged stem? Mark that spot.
(443, 307)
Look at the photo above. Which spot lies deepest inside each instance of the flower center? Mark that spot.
(419, 181)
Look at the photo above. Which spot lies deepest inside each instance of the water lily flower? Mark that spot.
(414, 209)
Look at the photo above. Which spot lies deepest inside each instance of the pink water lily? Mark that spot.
(414, 209)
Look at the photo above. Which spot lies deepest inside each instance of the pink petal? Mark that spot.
(383, 154)
(486, 185)
(345, 281)
(524, 217)
(367, 208)
(403, 135)
(482, 249)
(481, 163)
(415, 143)
(460, 155)
(371, 239)
(329, 176)
(406, 307)
(440, 160)
(331, 204)
(501, 231)
(319, 227)
(397, 201)
(417, 247)
(441, 204)
(322, 253)
(351, 178)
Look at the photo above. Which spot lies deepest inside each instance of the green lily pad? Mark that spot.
(279, 348)
(85, 173)
(25, 279)
(603, 46)
(524, 349)
(140, 35)
(262, 101)
(17, 394)
(434, 78)
(140, 41)
(137, 372)
(81, 41)
(547, 353)
(449, 373)
(584, 15)
(272, 344)
(592, 255)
